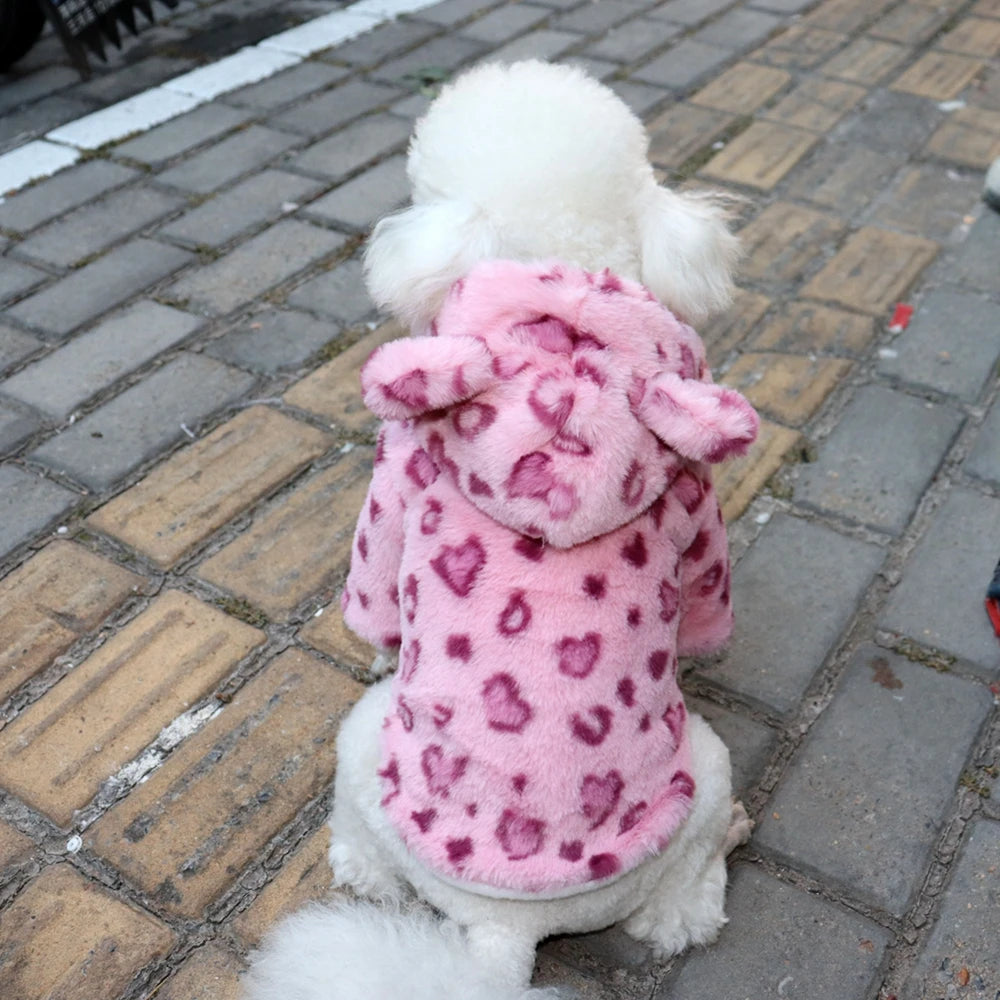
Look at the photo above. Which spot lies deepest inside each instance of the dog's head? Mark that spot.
(534, 161)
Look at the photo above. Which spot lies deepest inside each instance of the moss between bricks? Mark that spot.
(933, 658)
(242, 609)
(694, 163)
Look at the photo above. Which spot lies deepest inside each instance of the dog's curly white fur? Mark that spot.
(524, 162)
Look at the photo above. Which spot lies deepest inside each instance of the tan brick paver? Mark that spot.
(909, 23)
(760, 156)
(742, 88)
(816, 105)
(301, 545)
(846, 15)
(683, 130)
(193, 494)
(51, 601)
(969, 136)
(808, 327)
(938, 75)
(800, 47)
(737, 482)
(211, 973)
(74, 940)
(975, 36)
(334, 390)
(725, 331)
(874, 268)
(785, 240)
(304, 878)
(186, 834)
(330, 635)
(788, 387)
(14, 845)
(866, 61)
(101, 715)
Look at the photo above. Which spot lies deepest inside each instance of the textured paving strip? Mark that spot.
(810, 328)
(66, 937)
(51, 601)
(184, 500)
(328, 633)
(300, 545)
(14, 846)
(56, 754)
(760, 156)
(186, 834)
(211, 973)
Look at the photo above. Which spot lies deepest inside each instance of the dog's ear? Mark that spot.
(688, 252)
(405, 378)
(414, 256)
(697, 419)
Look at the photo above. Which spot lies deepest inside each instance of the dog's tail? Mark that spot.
(360, 951)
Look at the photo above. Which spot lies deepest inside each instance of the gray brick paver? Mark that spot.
(183, 133)
(16, 278)
(132, 428)
(682, 65)
(504, 23)
(363, 199)
(339, 293)
(99, 286)
(865, 800)
(353, 147)
(15, 345)
(17, 423)
(322, 113)
(272, 339)
(984, 459)
(28, 503)
(283, 88)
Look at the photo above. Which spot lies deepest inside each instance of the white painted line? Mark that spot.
(321, 33)
(61, 147)
(31, 161)
(247, 66)
(136, 114)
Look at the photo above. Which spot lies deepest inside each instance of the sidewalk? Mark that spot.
(184, 453)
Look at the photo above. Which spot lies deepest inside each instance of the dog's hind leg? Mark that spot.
(687, 905)
(356, 855)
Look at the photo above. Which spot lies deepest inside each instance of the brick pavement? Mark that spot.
(184, 452)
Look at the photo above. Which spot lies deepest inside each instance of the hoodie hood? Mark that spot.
(561, 403)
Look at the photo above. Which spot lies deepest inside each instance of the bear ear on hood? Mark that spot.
(699, 420)
(406, 378)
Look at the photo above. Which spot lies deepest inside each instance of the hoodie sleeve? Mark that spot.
(706, 619)
(370, 600)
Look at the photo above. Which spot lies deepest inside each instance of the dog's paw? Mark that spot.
(362, 874)
(740, 828)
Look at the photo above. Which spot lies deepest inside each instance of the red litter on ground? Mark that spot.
(993, 600)
(900, 317)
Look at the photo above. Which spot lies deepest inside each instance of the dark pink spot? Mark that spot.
(682, 784)
(458, 850)
(471, 419)
(405, 714)
(391, 639)
(393, 594)
(634, 552)
(582, 368)
(507, 366)
(634, 617)
(698, 547)
(409, 661)
(520, 836)
(633, 485)
(421, 469)
(363, 599)
(410, 598)
(409, 389)
(374, 509)
(610, 283)
(603, 865)
(599, 796)
(519, 783)
(571, 850)
(626, 691)
(636, 392)
(424, 819)
(441, 714)
(570, 444)
(578, 657)
(550, 333)
(379, 448)
(459, 565)
(390, 773)
(479, 487)
(689, 491)
(530, 548)
(631, 817)
(595, 586)
(710, 579)
(435, 447)
(669, 601)
(471, 809)
(553, 276)
(550, 404)
(644, 724)
(440, 770)
(363, 546)
(506, 710)
(459, 647)
(594, 727)
(431, 518)
(516, 615)
(531, 476)
(674, 717)
(689, 366)
(656, 511)
(657, 663)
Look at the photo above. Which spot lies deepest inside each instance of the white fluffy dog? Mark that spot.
(529, 162)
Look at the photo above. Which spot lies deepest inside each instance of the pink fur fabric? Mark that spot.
(541, 540)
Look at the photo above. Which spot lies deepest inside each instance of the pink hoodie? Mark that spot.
(541, 540)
